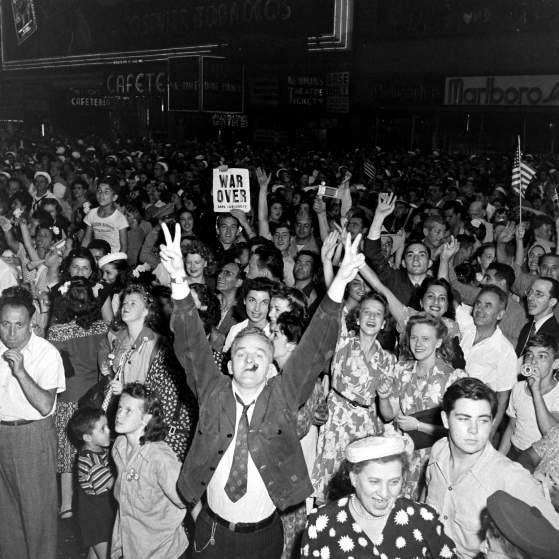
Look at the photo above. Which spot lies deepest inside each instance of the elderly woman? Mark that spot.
(372, 519)
(412, 392)
(137, 353)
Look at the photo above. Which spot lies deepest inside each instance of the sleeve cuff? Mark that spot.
(179, 291)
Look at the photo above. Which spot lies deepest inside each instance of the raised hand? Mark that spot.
(520, 231)
(170, 252)
(263, 178)
(352, 261)
(450, 248)
(329, 246)
(319, 205)
(386, 204)
(507, 234)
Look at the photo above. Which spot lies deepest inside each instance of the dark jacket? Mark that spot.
(272, 438)
(397, 280)
(549, 327)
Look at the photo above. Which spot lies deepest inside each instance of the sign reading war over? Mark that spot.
(231, 190)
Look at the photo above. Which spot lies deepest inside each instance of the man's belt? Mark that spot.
(16, 422)
(242, 527)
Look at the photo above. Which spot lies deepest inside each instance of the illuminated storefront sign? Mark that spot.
(539, 91)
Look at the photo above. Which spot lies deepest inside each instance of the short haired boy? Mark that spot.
(464, 469)
(534, 402)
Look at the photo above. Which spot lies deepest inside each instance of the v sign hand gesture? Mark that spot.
(170, 252)
(351, 262)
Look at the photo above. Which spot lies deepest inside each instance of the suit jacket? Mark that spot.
(550, 327)
(397, 280)
(272, 437)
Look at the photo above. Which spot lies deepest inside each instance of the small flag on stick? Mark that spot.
(522, 173)
(369, 169)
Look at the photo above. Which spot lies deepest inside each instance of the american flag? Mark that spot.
(369, 169)
(522, 173)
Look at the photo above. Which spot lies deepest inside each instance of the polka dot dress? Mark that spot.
(412, 531)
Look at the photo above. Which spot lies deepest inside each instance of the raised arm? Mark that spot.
(327, 255)
(319, 206)
(190, 343)
(263, 223)
(245, 223)
(375, 258)
(316, 348)
(395, 306)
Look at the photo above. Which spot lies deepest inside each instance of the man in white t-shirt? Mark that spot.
(489, 356)
(534, 403)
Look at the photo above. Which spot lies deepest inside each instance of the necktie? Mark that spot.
(531, 333)
(236, 485)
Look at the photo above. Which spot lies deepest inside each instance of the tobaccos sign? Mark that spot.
(503, 90)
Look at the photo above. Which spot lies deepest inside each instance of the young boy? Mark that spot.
(534, 403)
(89, 431)
(107, 222)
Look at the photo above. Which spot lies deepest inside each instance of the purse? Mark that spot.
(425, 440)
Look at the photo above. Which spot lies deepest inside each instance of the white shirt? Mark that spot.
(107, 228)
(236, 328)
(44, 365)
(255, 505)
(8, 276)
(521, 407)
(493, 360)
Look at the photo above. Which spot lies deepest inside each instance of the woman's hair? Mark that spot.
(121, 267)
(445, 352)
(153, 318)
(82, 423)
(198, 247)
(80, 252)
(78, 303)
(44, 219)
(291, 326)
(155, 430)
(340, 485)
(425, 285)
(353, 316)
(210, 307)
(295, 298)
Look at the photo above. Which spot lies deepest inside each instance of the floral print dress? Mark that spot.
(412, 530)
(352, 410)
(419, 394)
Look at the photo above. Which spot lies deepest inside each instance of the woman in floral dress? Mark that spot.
(417, 384)
(358, 365)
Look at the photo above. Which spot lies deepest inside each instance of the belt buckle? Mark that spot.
(172, 430)
(232, 526)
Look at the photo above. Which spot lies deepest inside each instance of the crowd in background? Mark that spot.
(447, 276)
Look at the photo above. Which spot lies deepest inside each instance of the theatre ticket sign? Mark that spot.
(503, 91)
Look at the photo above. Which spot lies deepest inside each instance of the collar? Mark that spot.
(237, 393)
(539, 323)
(479, 470)
(28, 347)
(146, 332)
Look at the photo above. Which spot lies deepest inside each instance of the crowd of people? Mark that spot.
(363, 371)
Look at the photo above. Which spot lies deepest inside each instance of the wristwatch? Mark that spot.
(179, 281)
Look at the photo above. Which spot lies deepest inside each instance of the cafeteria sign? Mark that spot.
(231, 190)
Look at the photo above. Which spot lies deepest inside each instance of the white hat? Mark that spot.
(43, 174)
(59, 189)
(372, 448)
(111, 257)
(6, 174)
(164, 165)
